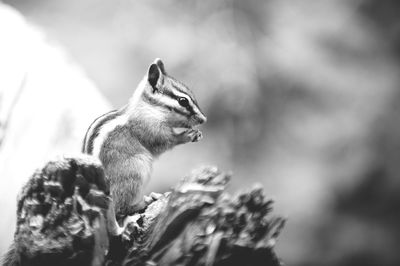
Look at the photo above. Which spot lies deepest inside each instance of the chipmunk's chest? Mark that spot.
(121, 140)
(122, 152)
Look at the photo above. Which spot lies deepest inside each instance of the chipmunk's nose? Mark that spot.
(202, 119)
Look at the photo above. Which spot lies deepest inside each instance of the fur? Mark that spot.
(139, 132)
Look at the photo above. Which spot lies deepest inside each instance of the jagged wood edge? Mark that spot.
(153, 233)
(192, 225)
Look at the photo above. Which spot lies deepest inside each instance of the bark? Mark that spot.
(62, 214)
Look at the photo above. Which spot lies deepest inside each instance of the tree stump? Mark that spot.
(62, 220)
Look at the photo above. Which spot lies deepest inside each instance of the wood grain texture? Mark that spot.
(62, 221)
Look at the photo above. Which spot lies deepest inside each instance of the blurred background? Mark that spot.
(301, 96)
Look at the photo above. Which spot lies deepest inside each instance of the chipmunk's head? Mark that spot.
(170, 98)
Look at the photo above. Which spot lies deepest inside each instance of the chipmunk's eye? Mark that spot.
(183, 102)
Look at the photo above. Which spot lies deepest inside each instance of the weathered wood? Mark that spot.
(199, 224)
(62, 214)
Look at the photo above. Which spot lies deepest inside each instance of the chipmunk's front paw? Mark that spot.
(193, 135)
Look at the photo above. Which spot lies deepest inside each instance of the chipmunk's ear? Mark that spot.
(160, 64)
(153, 75)
(156, 71)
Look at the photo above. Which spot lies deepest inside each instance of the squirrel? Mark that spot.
(128, 140)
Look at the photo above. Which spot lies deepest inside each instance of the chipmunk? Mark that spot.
(129, 139)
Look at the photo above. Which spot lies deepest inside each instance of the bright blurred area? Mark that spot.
(301, 96)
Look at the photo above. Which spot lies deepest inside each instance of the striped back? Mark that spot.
(96, 129)
(159, 100)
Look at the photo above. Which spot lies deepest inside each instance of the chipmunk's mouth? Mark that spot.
(179, 130)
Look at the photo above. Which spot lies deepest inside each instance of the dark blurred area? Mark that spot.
(301, 96)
